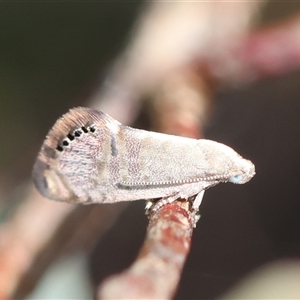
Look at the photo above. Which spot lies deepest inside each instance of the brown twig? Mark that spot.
(156, 272)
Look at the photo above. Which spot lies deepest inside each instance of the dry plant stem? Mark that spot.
(25, 235)
(273, 50)
(157, 270)
(194, 30)
(267, 51)
(183, 103)
(86, 223)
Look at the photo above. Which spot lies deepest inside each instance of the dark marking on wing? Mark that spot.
(113, 144)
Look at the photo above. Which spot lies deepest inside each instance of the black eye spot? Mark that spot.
(70, 136)
(59, 148)
(77, 133)
(84, 129)
(65, 143)
(92, 129)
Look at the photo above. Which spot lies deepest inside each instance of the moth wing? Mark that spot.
(47, 171)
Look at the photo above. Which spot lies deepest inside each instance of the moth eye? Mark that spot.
(236, 178)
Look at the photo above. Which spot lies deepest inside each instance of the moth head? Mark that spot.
(245, 172)
(228, 163)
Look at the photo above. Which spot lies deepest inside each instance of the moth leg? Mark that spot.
(153, 205)
(198, 200)
(195, 216)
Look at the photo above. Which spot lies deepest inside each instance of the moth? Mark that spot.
(88, 157)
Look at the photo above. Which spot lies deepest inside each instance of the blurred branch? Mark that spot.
(264, 52)
(25, 235)
(168, 38)
(86, 223)
(182, 104)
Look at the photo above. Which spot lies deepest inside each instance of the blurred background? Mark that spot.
(57, 55)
